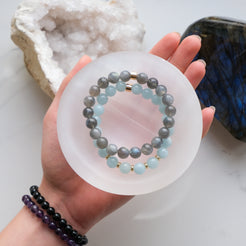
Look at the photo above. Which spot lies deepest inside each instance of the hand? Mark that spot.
(80, 203)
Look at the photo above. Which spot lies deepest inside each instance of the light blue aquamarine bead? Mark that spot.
(103, 153)
(125, 167)
(120, 86)
(156, 100)
(95, 143)
(102, 99)
(112, 162)
(147, 93)
(99, 120)
(98, 110)
(162, 152)
(137, 89)
(139, 168)
(152, 162)
(162, 108)
(171, 131)
(166, 142)
(110, 91)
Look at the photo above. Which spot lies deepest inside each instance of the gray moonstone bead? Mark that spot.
(91, 123)
(95, 133)
(103, 82)
(156, 142)
(167, 99)
(170, 110)
(113, 77)
(147, 149)
(102, 142)
(89, 101)
(142, 78)
(94, 90)
(123, 152)
(163, 132)
(88, 112)
(112, 149)
(135, 152)
(160, 90)
(152, 83)
(125, 75)
(168, 122)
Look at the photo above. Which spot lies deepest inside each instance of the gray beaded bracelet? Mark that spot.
(93, 111)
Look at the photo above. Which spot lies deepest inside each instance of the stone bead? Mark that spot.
(156, 100)
(168, 122)
(40, 214)
(46, 219)
(123, 152)
(64, 236)
(94, 91)
(162, 153)
(103, 153)
(147, 93)
(152, 83)
(125, 76)
(152, 162)
(137, 89)
(68, 229)
(147, 149)
(112, 149)
(102, 99)
(98, 110)
(50, 211)
(170, 110)
(102, 143)
(110, 91)
(162, 108)
(30, 204)
(40, 199)
(58, 231)
(166, 142)
(56, 217)
(120, 86)
(160, 90)
(142, 78)
(112, 162)
(135, 152)
(167, 99)
(156, 142)
(36, 194)
(163, 132)
(103, 82)
(88, 112)
(91, 123)
(89, 101)
(62, 223)
(52, 225)
(34, 208)
(95, 133)
(99, 120)
(125, 167)
(113, 77)
(139, 168)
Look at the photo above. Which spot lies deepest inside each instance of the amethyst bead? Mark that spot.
(52, 225)
(46, 219)
(40, 213)
(64, 236)
(30, 204)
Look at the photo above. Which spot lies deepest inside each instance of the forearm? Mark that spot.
(28, 230)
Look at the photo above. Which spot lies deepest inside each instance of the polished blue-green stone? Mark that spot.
(162, 108)
(98, 110)
(162, 152)
(120, 86)
(102, 99)
(166, 142)
(125, 167)
(102, 152)
(147, 93)
(152, 162)
(112, 162)
(156, 100)
(99, 120)
(137, 89)
(110, 91)
(139, 168)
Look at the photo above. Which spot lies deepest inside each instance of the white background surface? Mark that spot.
(207, 206)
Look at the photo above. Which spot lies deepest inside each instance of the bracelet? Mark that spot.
(161, 98)
(53, 219)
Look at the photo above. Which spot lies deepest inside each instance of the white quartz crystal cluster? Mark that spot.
(54, 34)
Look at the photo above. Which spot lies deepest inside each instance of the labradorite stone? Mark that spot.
(224, 85)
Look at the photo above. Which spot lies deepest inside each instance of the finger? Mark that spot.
(195, 72)
(186, 52)
(166, 46)
(207, 116)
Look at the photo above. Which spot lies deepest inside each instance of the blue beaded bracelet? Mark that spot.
(93, 111)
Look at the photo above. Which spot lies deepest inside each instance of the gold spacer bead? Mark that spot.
(146, 164)
(134, 75)
(128, 87)
(118, 164)
(157, 157)
(107, 157)
(132, 167)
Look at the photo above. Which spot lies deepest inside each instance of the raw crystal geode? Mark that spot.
(54, 34)
(224, 85)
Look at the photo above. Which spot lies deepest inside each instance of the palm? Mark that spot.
(61, 180)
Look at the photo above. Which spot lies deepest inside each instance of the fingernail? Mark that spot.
(178, 33)
(202, 61)
(213, 108)
(198, 37)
